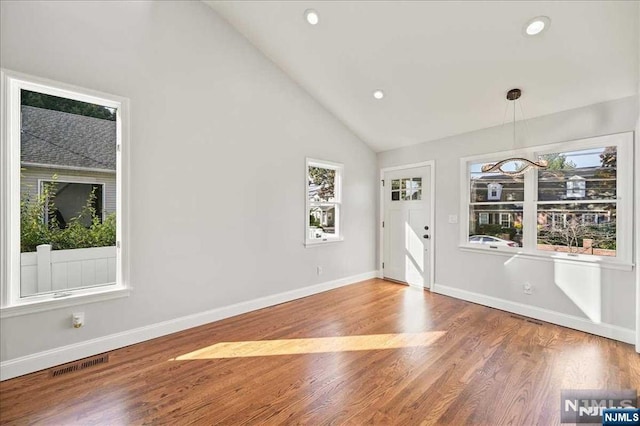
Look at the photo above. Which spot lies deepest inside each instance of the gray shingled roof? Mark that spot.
(63, 139)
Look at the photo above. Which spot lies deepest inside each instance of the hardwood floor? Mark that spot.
(374, 352)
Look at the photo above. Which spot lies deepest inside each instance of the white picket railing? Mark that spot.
(49, 270)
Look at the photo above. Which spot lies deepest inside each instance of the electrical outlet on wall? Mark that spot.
(528, 288)
(319, 270)
(77, 319)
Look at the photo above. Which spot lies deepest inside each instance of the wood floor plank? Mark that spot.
(370, 353)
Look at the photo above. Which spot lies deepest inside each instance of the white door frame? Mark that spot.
(432, 212)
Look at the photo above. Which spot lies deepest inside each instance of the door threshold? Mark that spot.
(417, 287)
(395, 281)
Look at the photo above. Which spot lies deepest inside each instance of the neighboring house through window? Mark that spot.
(488, 212)
(68, 157)
(589, 207)
(64, 211)
(580, 205)
(324, 201)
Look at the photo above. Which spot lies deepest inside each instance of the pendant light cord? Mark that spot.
(513, 96)
(506, 109)
(526, 124)
(514, 123)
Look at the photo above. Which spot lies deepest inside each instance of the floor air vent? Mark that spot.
(80, 365)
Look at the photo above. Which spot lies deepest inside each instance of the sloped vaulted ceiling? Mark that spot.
(445, 67)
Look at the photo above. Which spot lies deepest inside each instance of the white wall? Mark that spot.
(487, 274)
(219, 136)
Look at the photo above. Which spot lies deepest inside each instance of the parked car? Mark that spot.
(494, 241)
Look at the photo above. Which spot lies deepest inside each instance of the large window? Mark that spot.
(324, 200)
(579, 206)
(62, 190)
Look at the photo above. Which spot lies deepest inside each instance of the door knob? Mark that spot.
(425, 236)
(426, 228)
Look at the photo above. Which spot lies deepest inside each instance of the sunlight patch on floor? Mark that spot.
(313, 345)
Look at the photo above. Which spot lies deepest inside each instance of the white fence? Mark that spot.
(49, 270)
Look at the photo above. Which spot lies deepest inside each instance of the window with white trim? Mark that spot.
(505, 220)
(579, 206)
(62, 192)
(483, 218)
(323, 201)
(495, 206)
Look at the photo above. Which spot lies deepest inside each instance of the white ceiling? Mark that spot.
(445, 66)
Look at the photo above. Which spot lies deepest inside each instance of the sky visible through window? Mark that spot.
(585, 157)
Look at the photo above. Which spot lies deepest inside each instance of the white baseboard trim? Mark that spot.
(605, 330)
(50, 358)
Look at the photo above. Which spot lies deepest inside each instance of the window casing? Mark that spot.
(323, 195)
(112, 271)
(581, 210)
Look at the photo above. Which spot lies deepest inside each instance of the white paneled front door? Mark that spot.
(407, 225)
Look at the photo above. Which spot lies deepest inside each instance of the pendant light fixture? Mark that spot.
(523, 163)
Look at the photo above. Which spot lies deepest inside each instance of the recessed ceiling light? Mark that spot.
(537, 25)
(378, 94)
(311, 16)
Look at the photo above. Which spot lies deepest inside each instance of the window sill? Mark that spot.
(315, 243)
(555, 257)
(50, 303)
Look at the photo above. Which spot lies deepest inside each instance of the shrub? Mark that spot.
(603, 236)
(490, 229)
(34, 231)
(313, 221)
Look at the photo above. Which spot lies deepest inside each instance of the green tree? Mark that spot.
(40, 100)
(313, 221)
(34, 230)
(324, 179)
(558, 162)
(609, 157)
